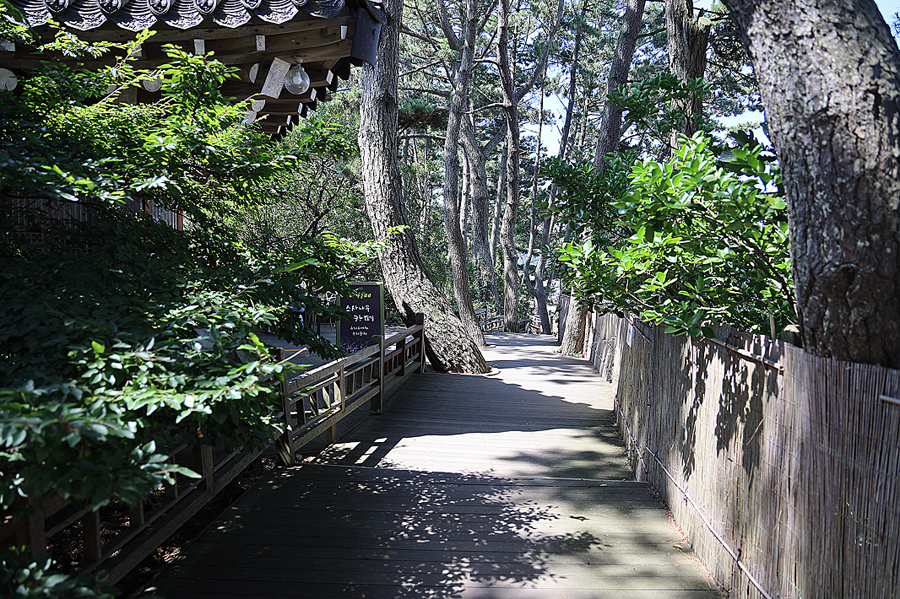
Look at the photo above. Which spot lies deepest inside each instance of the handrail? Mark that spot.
(312, 403)
(316, 401)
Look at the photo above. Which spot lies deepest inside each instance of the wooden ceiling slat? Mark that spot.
(215, 33)
(334, 51)
(277, 43)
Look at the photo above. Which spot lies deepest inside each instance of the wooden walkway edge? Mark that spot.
(507, 486)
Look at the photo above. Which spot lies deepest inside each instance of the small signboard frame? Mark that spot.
(366, 316)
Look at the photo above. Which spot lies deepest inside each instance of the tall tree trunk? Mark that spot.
(481, 243)
(498, 207)
(536, 289)
(611, 121)
(511, 207)
(688, 39)
(829, 76)
(462, 290)
(447, 343)
(511, 99)
(610, 130)
(540, 284)
(465, 201)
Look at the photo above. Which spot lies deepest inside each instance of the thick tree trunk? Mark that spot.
(829, 76)
(456, 241)
(511, 208)
(610, 130)
(508, 225)
(688, 39)
(447, 344)
(481, 242)
(611, 121)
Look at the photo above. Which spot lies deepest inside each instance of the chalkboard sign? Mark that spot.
(366, 320)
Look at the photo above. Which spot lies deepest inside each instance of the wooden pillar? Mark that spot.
(136, 514)
(37, 537)
(377, 402)
(283, 444)
(420, 320)
(339, 388)
(93, 545)
(203, 458)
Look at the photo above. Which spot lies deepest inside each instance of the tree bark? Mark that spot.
(572, 343)
(688, 39)
(511, 207)
(829, 76)
(498, 207)
(456, 241)
(447, 344)
(611, 121)
(481, 242)
(511, 99)
(536, 289)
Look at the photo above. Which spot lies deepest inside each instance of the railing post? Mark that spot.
(420, 320)
(376, 404)
(90, 528)
(203, 457)
(283, 445)
(37, 537)
(401, 351)
(339, 388)
(136, 513)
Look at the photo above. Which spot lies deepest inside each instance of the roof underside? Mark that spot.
(263, 38)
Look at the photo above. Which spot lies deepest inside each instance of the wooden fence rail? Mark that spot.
(317, 400)
(313, 404)
(782, 468)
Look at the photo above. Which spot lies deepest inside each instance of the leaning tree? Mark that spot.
(447, 343)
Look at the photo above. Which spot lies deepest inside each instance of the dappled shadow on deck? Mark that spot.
(511, 486)
(334, 532)
(542, 415)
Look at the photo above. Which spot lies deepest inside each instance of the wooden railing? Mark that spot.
(313, 404)
(317, 400)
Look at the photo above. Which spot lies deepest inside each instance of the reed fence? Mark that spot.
(782, 468)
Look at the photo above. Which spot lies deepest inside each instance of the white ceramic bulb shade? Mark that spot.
(297, 80)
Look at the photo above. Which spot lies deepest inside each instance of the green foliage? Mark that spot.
(319, 192)
(109, 353)
(120, 334)
(648, 102)
(697, 240)
(25, 577)
(171, 151)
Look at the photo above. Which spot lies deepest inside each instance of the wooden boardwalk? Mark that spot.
(507, 486)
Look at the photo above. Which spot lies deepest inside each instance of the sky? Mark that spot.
(550, 136)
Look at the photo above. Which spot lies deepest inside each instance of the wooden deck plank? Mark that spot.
(506, 486)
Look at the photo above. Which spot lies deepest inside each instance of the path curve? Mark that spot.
(512, 485)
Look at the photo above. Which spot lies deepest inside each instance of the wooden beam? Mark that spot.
(330, 53)
(277, 43)
(283, 106)
(210, 33)
(321, 48)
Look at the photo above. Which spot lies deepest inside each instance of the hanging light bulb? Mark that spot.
(297, 80)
